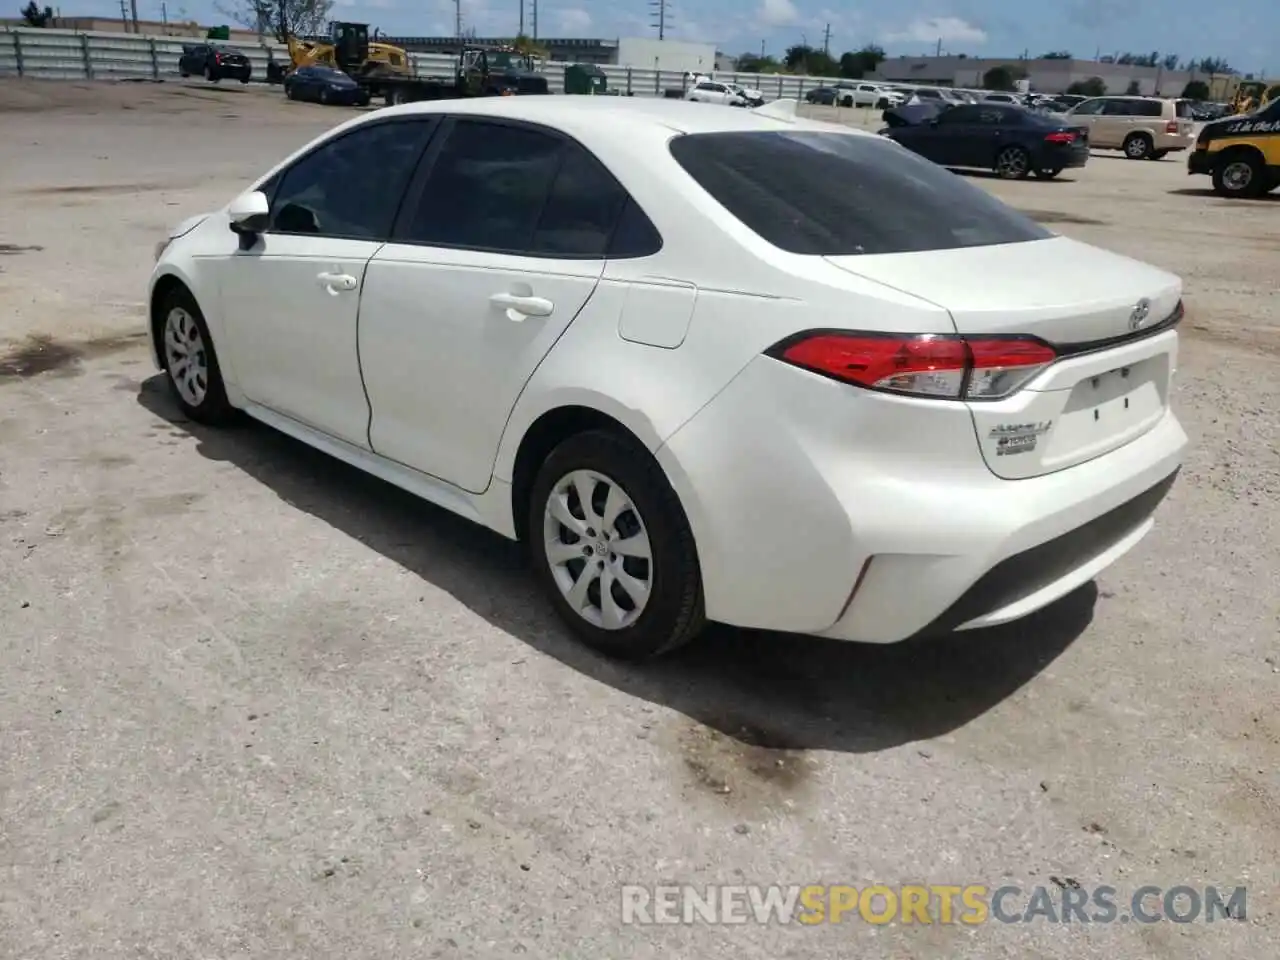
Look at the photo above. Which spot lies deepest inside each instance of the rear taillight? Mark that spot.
(1171, 126)
(939, 366)
(217, 58)
(1064, 136)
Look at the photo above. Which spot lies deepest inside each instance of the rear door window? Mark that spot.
(1185, 110)
(1146, 108)
(834, 194)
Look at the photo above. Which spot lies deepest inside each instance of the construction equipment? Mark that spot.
(585, 78)
(349, 49)
(1251, 94)
(496, 71)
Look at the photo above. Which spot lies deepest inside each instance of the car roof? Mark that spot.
(591, 117)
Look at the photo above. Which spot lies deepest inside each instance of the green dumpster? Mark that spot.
(218, 33)
(585, 78)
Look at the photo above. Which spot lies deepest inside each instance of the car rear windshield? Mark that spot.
(834, 194)
(1186, 110)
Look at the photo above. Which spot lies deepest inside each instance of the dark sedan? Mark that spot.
(1012, 141)
(324, 85)
(214, 62)
(823, 95)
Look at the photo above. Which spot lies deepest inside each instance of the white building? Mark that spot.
(652, 54)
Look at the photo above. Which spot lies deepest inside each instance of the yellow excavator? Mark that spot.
(348, 49)
(1252, 94)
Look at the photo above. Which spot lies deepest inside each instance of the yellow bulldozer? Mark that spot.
(349, 49)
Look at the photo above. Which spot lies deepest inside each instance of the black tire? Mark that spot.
(210, 74)
(1240, 175)
(847, 102)
(1158, 155)
(1138, 146)
(324, 95)
(183, 74)
(1013, 163)
(244, 79)
(674, 613)
(288, 91)
(1048, 173)
(213, 408)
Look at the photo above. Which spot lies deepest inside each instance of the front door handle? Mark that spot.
(518, 307)
(335, 283)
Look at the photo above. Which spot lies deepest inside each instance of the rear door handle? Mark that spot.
(335, 283)
(520, 307)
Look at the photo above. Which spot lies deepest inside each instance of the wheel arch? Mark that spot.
(1237, 151)
(162, 286)
(551, 428)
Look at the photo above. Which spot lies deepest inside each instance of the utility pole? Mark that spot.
(124, 15)
(534, 11)
(761, 49)
(520, 32)
(164, 13)
(659, 8)
(133, 14)
(457, 18)
(938, 51)
(826, 40)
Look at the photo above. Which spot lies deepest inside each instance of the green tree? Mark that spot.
(1170, 62)
(810, 61)
(281, 18)
(1134, 89)
(999, 78)
(33, 16)
(1196, 90)
(754, 63)
(855, 64)
(1056, 55)
(1214, 66)
(1093, 87)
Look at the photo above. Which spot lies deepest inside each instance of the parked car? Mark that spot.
(1000, 97)
(861, 94)
(214, 62)
(324, 85)
(750, 95)
(1241, 153)
(716, 91)
(1013, 141)
(1145, 128)
(824, 96)
(708, 364)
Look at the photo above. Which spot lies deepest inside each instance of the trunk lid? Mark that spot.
(1112, 380)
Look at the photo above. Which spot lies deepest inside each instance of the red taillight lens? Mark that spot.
(1171, 126)
(217, 58)
(928, 365)
(1061, 137)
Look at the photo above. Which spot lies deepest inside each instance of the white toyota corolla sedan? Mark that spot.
(709, 364)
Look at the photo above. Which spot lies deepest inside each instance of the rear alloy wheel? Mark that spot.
(1138, 146)
(613, 548)
(1013, 163)
(1240, 175)
(190, 361)
(1048, 173)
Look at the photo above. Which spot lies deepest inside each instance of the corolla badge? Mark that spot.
(1015, 438)
(1141, 310)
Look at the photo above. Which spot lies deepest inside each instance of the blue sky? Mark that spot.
(1245, 32)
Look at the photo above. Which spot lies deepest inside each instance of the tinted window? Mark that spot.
(635, 235)
(1089, 108)
(352, 186)
(708, 86)
(1185, 109)
(582, 209)
(1146, 108)
(832, 194)
(1117, 108)
(487, 188)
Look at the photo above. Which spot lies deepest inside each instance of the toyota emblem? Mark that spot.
(1139, 316)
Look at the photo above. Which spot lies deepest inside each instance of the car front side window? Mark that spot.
(350, 187)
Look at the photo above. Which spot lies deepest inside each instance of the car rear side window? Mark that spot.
(834, 194)
(350, 187)
(1185, 110)
(1146, 108)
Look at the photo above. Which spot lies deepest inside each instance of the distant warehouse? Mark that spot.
(1046, 76)
(643, 52)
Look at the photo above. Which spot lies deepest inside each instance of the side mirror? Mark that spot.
(249, 213)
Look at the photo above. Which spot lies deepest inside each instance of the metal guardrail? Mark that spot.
(71, 55)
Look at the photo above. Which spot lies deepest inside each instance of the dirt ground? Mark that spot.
(253, 704)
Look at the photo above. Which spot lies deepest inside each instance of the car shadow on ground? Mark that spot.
(1205, 192)
(992, 175)
(764, 689)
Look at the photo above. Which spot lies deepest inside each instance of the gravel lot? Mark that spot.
(253, 704)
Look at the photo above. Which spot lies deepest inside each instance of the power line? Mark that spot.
(662, 15)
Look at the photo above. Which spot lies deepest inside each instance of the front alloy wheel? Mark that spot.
(190, 360)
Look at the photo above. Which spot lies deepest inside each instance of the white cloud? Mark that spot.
(572, 22)
(933, 29)
(777, 13)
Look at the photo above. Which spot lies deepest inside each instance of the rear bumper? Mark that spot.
(822, 509)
